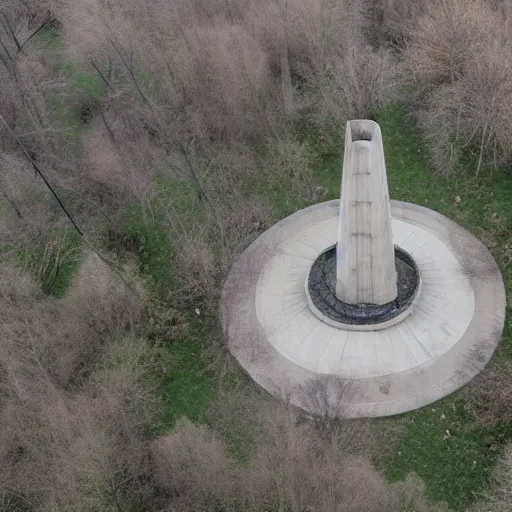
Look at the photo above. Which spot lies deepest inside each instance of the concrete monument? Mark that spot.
(365, 256)
(363, 306)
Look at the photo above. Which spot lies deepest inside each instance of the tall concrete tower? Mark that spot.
(365, 256)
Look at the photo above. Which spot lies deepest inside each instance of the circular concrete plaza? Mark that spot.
(447, 338)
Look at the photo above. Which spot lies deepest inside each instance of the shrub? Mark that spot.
(228, 81)
(103, 298)
(291, 466)
(191, 464)
(491, 393)
(288, 163)
(455, 53)
(322, 45)
(389, 21)
(78, 448)
(355, 84)
(27, 201)
(119, 162)
(63, 335)
(443, 41)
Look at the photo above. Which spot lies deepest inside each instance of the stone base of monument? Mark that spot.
(445, 335)
(320, 288)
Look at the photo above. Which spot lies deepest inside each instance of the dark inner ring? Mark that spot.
(322, 290)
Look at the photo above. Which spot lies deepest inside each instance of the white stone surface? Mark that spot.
(365, 256)
(442, 313)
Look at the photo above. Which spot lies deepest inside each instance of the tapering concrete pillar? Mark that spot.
(365, 256)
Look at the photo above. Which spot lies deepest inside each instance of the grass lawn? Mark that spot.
(453, 468)
(55, 264)
(188, 389)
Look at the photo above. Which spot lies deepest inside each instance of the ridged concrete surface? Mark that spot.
(441, 315)
(366, 258)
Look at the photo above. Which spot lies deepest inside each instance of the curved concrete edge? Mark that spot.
(357, 327)
(381, 396)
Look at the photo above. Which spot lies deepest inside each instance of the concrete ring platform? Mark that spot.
(446, 340)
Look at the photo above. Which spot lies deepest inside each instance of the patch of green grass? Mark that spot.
(68, 267)
(448, 450)
(69, 110)
(82, 94)
(187, 385)
(283, 204)
(49, 40)
(55, 263)
(86, 84)
(154, 245)
(327, 155)
(188, 388)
